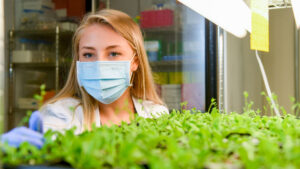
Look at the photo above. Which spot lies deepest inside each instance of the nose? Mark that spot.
(101, 56)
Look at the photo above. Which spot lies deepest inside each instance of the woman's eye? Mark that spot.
(113, 54)
(87, 55)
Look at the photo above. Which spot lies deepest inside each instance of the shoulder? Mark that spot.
(63, 106)
(149, 109)
(68, 101)
(62, 114)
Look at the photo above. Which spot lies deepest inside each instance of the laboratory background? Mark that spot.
(205, 55)
(38, 36)
(193, 59)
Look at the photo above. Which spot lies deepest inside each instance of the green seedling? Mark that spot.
(181, 139)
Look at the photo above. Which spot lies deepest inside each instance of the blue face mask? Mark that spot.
(106, 81)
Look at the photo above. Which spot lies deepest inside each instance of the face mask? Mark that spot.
(106, 81)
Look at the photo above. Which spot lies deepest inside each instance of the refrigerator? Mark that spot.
(181, 49)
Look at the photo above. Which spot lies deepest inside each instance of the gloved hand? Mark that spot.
(36, 122)
(33, 134)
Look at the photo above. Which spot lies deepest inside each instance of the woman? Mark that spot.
(110, 78)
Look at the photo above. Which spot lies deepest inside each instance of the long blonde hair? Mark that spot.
(142, 80)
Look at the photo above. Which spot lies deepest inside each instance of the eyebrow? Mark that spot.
(112, 46)
(108, 47)
(88, 47)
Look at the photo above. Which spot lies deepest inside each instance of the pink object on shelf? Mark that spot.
(157, 18)
(194, 95)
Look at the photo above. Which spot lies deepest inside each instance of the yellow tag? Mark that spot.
(259, 38)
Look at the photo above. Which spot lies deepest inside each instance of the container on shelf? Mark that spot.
(171, 94)
(172, 57)
(27, 103)
(175, 78)
(36, 58)
(153, 49)
(161, 77)
(30, 90)
(32, 56)
(193, 95)
(157, 18)
(34, 77)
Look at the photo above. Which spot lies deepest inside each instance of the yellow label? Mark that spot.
(175, 77)
(259, 38)
(160, 77)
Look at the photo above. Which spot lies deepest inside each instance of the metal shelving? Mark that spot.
(165, 66)
(275, 4)
(33, 65)
(167, 34)
(169, 29)
(57, 37)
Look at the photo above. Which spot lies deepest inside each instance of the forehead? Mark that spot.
(101, 35)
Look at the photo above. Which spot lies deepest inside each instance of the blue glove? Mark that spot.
(36, 122)
(33, 135)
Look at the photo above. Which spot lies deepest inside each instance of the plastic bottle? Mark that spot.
(22, 44)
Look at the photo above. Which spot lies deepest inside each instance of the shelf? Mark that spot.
(59, 41)
(34, 65)
(166, 63)
(173, 65)
(171, 29)
(41, 65)
(165, 66)
(22, 110)
(41, 32)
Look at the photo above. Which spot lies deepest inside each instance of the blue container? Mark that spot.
(152, 56)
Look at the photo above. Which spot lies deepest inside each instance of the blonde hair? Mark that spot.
(142, 80)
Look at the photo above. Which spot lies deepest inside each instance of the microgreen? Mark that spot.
(181, 139)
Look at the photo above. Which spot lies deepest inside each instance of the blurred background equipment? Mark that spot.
(2, 65)
(195, 54)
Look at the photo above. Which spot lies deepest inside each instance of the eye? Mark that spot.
(88, 55)
(114, 54)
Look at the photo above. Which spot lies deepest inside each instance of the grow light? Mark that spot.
(296, 9)
(233, 16)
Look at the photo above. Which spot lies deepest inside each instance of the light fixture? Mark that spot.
(296, 9)
(234, 16)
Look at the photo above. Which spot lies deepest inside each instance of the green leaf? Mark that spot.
(43, 87)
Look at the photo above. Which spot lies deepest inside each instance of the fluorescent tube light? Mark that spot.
(234, 16)
(296, 9)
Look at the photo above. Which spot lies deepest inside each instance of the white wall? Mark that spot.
(243, 73)
(233, 73)
(279, 62)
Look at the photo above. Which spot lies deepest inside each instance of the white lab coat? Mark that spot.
(62, 114)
